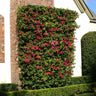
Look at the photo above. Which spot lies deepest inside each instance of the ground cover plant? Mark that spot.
(45, 46)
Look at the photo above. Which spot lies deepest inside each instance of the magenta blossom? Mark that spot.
(64, 63)
(37, 66)
(49, 73)
(56, 43)
(32, 47)
(26, 60)
(52, 43)
(57, 59)
(61, 52)
(66, 47)
(37, 47)
(61, 75)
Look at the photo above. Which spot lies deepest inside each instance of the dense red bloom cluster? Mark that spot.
(45, 44)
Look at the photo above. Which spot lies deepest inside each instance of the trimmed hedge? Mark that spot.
(60, 91)
(82, 80)
(87, 94)
(88, 43)
(45, 46)
(8, 87)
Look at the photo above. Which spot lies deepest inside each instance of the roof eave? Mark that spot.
(83, 8)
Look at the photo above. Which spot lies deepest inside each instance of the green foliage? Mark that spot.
(88, 43)
(82, 80)
(73, 90)
(45, 46)
(8, 87)
(87, 94)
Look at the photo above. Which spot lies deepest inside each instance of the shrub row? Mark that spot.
(82, 80)
(87, 94)
(8, 87)
(72, 90)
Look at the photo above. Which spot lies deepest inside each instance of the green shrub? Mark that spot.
(60, 91)
(45, 46)
(88, 44)
(8, 87)
(87, 94)
(82, 80)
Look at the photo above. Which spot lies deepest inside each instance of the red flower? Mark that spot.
(66, 47)
(62, 22)
(42, 25)
(21, 32)
(61, 52)
(64, 63)
(63, 18)
(25, 21)
(69, 64)
(27, 66)
(33, 54)
(37, 26)
(49, 6)
(57, 59)
(32, 47)
(27, 60)
(52, 67)
(52, 43)
(39, 37)
(64, 41)
(68, 73)
(53, 13)
(40, 49)
(39, 57)
(38, 22)
(52, 47)
(37, 47)
(26, 16)
(29, 52)
(56, 43)
(49, 73)
(45, 44)
(59, 17)
(37, 66)
(61, 75)
(41, 67)
(46, 34)
(37, 13)
(69, 44)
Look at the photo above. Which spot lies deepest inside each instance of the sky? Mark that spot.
(91, 4)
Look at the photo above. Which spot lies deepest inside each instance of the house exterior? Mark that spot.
(9, 71)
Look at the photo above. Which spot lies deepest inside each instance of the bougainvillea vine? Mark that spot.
(45, 46)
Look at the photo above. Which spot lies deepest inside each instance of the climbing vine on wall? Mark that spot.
(45, 46)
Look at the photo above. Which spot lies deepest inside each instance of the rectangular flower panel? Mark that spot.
(45, 46)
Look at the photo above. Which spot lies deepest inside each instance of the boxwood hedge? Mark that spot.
(73, 90)
(88, 43)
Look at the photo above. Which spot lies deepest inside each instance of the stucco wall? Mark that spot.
(5, 71)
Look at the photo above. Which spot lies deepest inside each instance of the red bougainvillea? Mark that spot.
(45, 46)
